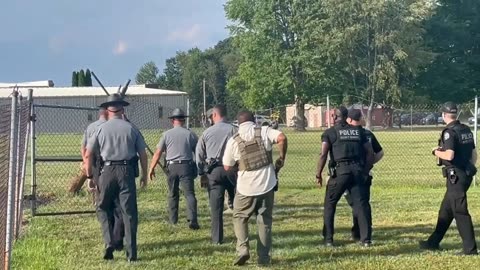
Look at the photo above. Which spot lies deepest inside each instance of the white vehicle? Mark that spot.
(261, 120)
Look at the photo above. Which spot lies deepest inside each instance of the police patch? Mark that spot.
(446, 136)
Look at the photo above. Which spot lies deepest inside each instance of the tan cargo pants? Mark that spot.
(243, 208)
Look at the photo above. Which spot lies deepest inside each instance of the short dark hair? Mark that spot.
(221, 110)
(245, 116)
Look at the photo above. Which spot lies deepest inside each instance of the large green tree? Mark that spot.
(148, 73)
(377, 45)
(453, 33)
(280, 62)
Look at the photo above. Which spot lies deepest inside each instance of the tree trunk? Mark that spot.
(300, 116)
(369, 113)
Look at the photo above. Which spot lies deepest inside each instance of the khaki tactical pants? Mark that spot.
(243, 208)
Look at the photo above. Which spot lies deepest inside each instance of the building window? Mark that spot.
(160, 112)
(90, 117)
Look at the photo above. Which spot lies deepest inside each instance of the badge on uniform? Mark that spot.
(446, 136)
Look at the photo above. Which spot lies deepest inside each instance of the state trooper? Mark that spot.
(456, 153)
(354, 119)
(119, 143)
(351, 157)
(209, 155)
(116, 222)
(179, 145)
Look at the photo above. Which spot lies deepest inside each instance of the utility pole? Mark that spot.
(204, 105)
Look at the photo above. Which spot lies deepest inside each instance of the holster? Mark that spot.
(210, 165)
(134, 164)
(450, 174)
(332, 168)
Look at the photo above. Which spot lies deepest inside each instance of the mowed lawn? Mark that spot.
(406, 196)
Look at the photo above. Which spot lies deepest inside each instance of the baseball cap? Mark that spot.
(355, 114)
(449, 107)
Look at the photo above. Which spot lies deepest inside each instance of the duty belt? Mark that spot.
(116, 162)
(179, 162)
(346, 162)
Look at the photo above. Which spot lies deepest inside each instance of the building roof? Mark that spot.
(134, 90)
(47, 83)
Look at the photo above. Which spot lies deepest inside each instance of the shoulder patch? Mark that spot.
(446, 136)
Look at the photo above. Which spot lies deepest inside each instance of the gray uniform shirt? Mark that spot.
(178, 143)
(91, 129)
(212, 143)
(117, 140)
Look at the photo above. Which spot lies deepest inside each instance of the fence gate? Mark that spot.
(56, 134)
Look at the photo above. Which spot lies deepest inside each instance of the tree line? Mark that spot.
(299, 51)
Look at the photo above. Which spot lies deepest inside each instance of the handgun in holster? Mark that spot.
(450, 174)
(210, 165)
(332, 168)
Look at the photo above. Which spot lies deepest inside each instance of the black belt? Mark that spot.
(347, 162)
(179, 162)
(116, 162)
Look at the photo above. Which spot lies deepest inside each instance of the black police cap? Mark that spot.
(355, 114)
(449, 107)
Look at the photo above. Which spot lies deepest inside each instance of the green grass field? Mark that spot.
(405, 199)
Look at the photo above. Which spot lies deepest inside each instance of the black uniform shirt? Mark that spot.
(463, 147)
(373, 140)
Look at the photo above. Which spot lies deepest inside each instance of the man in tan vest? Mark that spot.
(255, 184)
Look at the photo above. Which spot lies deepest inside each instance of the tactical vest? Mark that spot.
(348, 145)
(464, 144)
(253, 154)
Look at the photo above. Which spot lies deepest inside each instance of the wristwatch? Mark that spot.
(89, 176)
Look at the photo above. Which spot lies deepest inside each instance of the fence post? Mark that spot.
(11, 179)
(188, 112)
(475, 128)
(328, 112)
(24, 169)
(411, 118)
(33, 197)
(17, 166)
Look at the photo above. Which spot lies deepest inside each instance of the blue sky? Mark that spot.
(48, 39)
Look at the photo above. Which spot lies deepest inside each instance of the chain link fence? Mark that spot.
(14, 119)
(407, 134)
(57, 185)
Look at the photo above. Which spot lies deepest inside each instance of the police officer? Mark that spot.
(117, 221)
(457, 155)
(209, 155)
(119, 143)
(354, 119)
(351, 158)
(179, 145)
